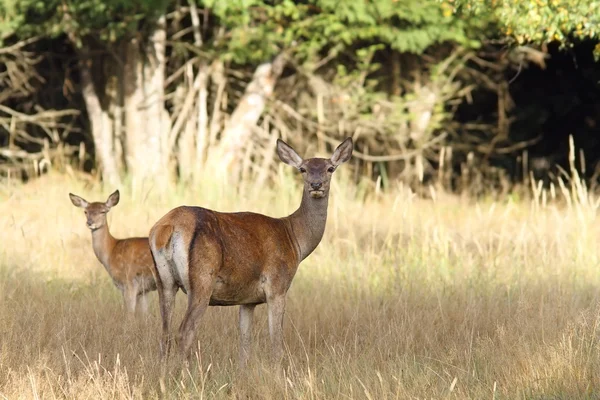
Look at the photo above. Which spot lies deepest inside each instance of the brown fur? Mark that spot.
(240, 258)
(128, 261)
(163, 236)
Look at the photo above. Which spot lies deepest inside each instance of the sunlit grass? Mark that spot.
(404, 298)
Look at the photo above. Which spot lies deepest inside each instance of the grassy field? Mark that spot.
(405, 298)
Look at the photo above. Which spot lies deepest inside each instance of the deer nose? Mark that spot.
(316, 185)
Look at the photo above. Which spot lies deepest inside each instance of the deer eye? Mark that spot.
(330, 169)
(302, 169)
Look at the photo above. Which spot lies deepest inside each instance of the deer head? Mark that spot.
(316, 172)
(95, 213)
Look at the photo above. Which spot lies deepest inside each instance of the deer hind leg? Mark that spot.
(246, 314)
(167, 289)
(166, 296)
(162, 253)
(198, 298)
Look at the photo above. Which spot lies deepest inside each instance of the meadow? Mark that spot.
(405, 298)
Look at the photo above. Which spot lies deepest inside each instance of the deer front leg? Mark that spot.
(246, 314)
(142, 303)
(130, 297)
(276, 305)
(198, 299)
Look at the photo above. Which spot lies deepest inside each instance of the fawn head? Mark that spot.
(95, 213)
(315, 171)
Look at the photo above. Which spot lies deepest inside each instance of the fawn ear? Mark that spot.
(287, 154)
(342, 153)
(78, 201)
(113, 199)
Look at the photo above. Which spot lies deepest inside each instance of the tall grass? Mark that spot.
(404, 298)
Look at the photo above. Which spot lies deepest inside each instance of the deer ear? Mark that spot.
(78, 201)
(113, 199)
(288, 155)
(342, 153)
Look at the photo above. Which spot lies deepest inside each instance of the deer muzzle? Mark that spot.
(316, 190)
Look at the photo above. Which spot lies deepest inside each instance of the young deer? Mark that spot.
(245, 259)
(128, 261)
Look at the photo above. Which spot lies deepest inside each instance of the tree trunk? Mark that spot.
(183, 103)
(157, 118)
(217, 77)
(147, 122)
(101, 127)
(185, 151)
(238, 131)
(193, 139)
(202, 102)
(135, 125)
(202, 118)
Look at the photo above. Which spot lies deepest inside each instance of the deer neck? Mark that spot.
(103, 243)
(308, 223)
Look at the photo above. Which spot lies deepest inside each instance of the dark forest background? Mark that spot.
(470, 96)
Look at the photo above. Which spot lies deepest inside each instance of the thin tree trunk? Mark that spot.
(157, 117)
(113, 104)
(186, 152)
(217, 77)
(198, 139)
(185, 143)
(202, 118)
(147, 121)
(134, 119)
(238, 131)
(101, 127)
(202, 102)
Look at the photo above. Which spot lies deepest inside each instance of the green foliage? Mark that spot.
(105, 19)
(254, 30)
(10, 18)
(248, 37)
(536, 21)
(258, 29)
(406, 26)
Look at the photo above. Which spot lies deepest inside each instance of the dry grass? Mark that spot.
(404, 298)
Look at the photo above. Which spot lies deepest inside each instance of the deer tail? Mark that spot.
(160, 238)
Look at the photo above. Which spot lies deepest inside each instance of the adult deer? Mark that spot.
(245, 259)
(128, 261)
